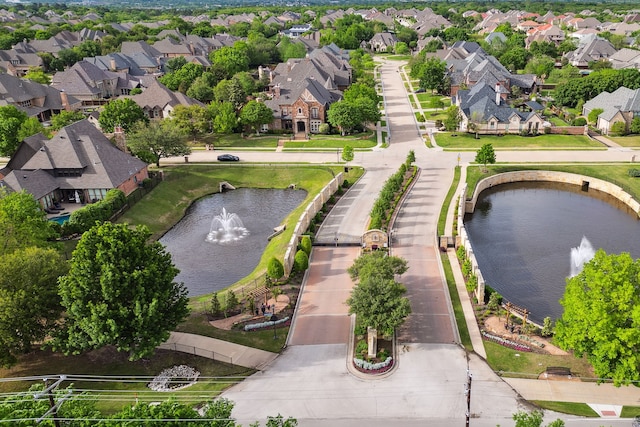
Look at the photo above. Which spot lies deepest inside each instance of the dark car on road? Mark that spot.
(228, 158)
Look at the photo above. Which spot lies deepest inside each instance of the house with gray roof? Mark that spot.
(383, 42)
(35, 99)
(483, 109)
(590, 49)
(621, 105)
(157, 101)
(79, 164)
(17, 63)
(468, 64)
(625, 58)
(92, 85)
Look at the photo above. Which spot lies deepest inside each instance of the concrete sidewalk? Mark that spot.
(222, 351)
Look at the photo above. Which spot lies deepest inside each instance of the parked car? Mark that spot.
(419, 90)
(228, 158)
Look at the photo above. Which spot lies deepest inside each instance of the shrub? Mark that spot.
(547, 327)
(580, 121)
(305, 244)
(466, 268)
(494, 301)
(383, 353)
(634, 173)
(324, 128)
(301, 261)
(345, 184)
(231, 301)
(362, 347)
(215, 304)
(472, 283)
(547, 130)
(275, 269)
(461, 253)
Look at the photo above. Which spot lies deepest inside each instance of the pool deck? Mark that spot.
(67, 208)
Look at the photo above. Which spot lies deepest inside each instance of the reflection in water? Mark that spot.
(523, 244)
(206, 267)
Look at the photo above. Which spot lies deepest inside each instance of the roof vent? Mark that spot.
(41, 148)
(24, 176)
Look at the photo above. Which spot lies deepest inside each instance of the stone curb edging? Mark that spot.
(361, 375)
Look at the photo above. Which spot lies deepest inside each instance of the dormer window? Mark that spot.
(25, 104)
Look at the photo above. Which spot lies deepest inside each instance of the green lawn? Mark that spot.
(108, 362)
(626, 141)
(580, 409)
(363, 140)
(467, 141)
(617, 174)
(235, 140)
(531, 365)
(557, 121)
(630, 412)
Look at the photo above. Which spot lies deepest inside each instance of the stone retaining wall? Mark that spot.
(305, 219)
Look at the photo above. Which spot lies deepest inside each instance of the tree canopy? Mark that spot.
(121, 112)
(155, 140)
(23, 223)
(601, 317)
(29, 301)
(11, 120)
(377, 299)
(255, 114)
(486, 155)
(120, 291)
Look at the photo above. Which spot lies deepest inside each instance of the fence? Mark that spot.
(138, 194)
(209, 354)
(305, 219)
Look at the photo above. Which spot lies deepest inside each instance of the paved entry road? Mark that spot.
(322, 313)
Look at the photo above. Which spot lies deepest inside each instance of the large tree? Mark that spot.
(343, 115)
(11, 120)
(255, 114)
(121, 112)
(601, 317)
(120, 291)
(65, 118)
(232, 59)
(29, 301)
(193, 119)
(377, 299)
(157, 139)
(23, 223)
(224, 116)
(432, 74)
(486, 155)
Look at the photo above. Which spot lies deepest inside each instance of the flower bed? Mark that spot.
(505, 342)
(373, 368)
(256, 326)
(175, 378)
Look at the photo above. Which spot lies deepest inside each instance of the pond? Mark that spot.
(523, 234)
(207, 266)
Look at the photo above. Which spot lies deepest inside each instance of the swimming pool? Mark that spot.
(60, 219)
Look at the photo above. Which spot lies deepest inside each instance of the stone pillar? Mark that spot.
(372, 340)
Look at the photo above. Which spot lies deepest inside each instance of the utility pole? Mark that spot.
(53, 406)
(467, 392)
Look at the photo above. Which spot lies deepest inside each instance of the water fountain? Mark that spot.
(581, 255)
(225, 228)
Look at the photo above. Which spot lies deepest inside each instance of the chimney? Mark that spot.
(112, 64)
(276, 91)
(498, 97)
(65, 100)
(118, 136)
